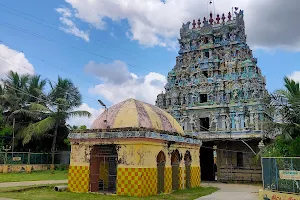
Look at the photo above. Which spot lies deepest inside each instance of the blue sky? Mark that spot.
(116, 51)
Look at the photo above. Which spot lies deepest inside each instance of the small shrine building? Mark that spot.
(135, 149)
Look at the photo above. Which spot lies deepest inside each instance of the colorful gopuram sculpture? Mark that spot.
(216, 89)
(215, 77)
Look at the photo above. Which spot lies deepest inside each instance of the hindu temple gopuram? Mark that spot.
(133, 149)
(216, 92)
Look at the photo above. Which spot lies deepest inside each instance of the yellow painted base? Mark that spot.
(269, 195)
(168, 179)
(28, 168)
(195, 176)
(5, 168)
(22, 168)
(78, 178)
(137, 181)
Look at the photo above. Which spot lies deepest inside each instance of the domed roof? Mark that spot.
(136, 114)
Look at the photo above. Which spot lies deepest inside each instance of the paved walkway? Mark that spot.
(29, 183)
(232, 191)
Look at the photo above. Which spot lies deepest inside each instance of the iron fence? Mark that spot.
(29, 158)
(281, 174)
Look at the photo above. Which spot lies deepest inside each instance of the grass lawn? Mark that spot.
(48, 193)
(34, 176)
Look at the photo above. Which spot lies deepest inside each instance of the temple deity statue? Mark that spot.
(193, 122)
(214, 121)
(228, 123)
(256, 121)
(237, 121)
(247, 121)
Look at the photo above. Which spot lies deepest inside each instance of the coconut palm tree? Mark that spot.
(14, 95)
(35, 88)
(286, 102)
(63, 98)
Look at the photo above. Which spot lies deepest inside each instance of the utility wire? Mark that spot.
(53, 26)
(48, 64)
(56, 42)
(227, 150)
(46, 78)
(40, 99)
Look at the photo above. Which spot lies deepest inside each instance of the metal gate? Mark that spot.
(188, 160)
(160, 177)
(175, 159)
(188, 176)
(103, 174)
(161, 160)
(175, 178)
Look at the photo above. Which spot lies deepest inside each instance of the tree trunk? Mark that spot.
(54, 144)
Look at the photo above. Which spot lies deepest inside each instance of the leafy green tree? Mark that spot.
(82, 127)
(63, 98)
(286, 103)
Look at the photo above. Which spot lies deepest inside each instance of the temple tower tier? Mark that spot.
(216, 90)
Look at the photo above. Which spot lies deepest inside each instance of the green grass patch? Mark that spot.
(34, 176)
(48, 193)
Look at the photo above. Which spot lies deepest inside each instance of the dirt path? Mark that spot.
(29, 183)
(232, 191)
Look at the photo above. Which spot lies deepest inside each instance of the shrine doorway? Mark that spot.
(175, 161)
(207, 161)
(103, 165)
(187, 161)
(161, 162)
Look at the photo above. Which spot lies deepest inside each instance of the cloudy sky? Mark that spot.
(114, 50)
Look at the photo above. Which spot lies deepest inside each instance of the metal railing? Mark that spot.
(28, 158)
(281, 174)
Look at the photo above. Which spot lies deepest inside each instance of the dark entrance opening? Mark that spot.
(103, 165)
(239, 159)
(175, 160)
(204, 124)
(206, 54)
(207, 162)
(187, 161)
(161, 161)
(203, 98)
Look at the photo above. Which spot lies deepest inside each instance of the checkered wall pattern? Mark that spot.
(137, 181)
(168, 180)
(181, 178)
(195, 176)
(78, 178)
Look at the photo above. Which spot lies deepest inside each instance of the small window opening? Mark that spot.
(206, 54)
(203, 98)
(204, 124)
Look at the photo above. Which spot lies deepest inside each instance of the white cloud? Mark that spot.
(69, 26)
(11, 59)
(65, 12)
(78, 121)
(269, 24)
(118, 86)
(295, 76)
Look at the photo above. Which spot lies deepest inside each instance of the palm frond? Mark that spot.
(37, 129)
(40, 108)
(79, 113)
(27, 113)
